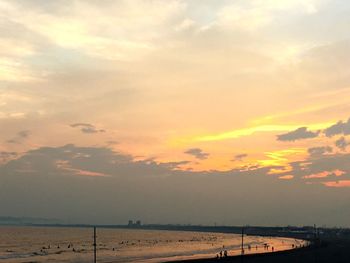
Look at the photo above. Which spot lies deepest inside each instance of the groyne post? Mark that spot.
(95, 245)
(242, 243)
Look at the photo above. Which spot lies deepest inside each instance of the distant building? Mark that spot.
(136, 224)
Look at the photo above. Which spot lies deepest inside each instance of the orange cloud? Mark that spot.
(341, 183)
(286, 177)
(324, 174)
(65, 165)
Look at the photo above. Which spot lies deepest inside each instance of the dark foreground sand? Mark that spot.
(332, 250)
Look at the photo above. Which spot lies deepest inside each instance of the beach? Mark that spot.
(333, 250)
(74, 244)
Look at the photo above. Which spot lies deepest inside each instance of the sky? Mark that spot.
(228, 112)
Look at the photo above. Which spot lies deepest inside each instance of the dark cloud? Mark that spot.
(86, 128)
(239, 157)
(20, 136)
(66, 183)
(198, 153)
(318, 151)
(339, 128)
(298, 134)
(329, 163)
(342, 143)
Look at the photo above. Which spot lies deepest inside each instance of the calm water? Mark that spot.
(40, 244)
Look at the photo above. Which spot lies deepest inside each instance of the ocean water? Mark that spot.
(50, 244)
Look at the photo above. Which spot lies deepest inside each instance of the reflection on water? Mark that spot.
(43, 244)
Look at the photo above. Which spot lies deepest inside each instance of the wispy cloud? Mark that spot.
(340, 127)
(298, 134)
(338, 184)
(250, 131)
(324, 174)
(197, 153)
(319, 151)
(342, 143)
(86, 128)
(6, 156)
(239, 157)
(20, 137)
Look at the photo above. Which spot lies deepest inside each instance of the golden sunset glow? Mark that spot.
(253, 93)
(266, 128)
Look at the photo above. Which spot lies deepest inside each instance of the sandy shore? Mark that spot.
(275, 245)
(331, 250)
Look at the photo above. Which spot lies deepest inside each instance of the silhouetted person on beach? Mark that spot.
(225, 253)
(220, 254)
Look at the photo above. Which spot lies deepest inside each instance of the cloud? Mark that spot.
(325, 174)
(286, 177)
(175, 165)
(20, 137)
(78, 180)
(6, 156)
(68, 28)
(319, 151)
(321, 168)
(239, 157)
(66, 166)
(24, 134)
(198, 153)
(86, 128)
(298, 134)
(338, 184)
(339, 128)
(112, 142)
(255, 15)
(342, 143)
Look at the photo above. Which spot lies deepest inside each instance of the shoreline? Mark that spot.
(250, 253)
(330, 249)
(246, 257)
(231, 244)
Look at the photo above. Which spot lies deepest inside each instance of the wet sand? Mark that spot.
(274, 245)
(330, 250)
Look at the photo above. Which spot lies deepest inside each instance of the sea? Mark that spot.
(22, 244)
